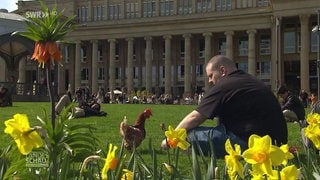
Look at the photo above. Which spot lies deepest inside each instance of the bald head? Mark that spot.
(217, 61)
(218, 67)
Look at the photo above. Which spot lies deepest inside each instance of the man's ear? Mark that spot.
(223, 71)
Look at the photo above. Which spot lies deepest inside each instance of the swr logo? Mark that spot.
(38, 14)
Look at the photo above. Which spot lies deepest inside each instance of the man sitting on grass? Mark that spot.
(242, 104)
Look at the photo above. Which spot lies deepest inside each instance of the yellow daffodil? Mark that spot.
(262, 154)
(288, 154)
(128, 175)
(258, 176)
(313, 118)
(234, 167)
(111, 161)
(25, 137)
(312, 131)
(289, 173)
(177, 138)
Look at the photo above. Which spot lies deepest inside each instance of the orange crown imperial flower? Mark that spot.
(46, 32)
(45, 51)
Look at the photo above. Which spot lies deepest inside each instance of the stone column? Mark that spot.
(112, 67)
(187, 64)
(229, 44)
(148, 64)
(252, 68)
(275, 54)
(94, 67)
(304, 54)
(130, 65)
(207, 56)
(167, 84)
(22, 76)
(77, 66)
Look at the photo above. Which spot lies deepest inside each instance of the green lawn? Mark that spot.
(107, 128)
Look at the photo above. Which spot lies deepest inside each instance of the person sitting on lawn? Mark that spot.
(82, 109)
(5, 97)
(292, 108)
(242, 104)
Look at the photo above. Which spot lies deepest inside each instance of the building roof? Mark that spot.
(10, 22)
(11, 16)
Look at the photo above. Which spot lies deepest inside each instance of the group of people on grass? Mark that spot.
(85, 105)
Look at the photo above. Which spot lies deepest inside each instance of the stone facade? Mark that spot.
(162, 46)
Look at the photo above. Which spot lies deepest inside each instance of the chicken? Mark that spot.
(134, 134)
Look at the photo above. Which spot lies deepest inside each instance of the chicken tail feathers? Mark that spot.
(123, 126)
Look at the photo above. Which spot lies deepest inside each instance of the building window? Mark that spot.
(182, 50)
(263, 3)
(135, 73)
(114, 11)
(222, 46)
(100, 73)
(184, 7)
(163, 50)
(161, 72)
(118, 73)
(98, 13)
(243, 66)
(134, 56)
(265, 45)
(263, 68)
(132, 10)
(83, 54)
(149, 8)
(223, 5)
(180, 71)
(100, 58)
(166, 7)
(314, 41)
(199, 70)
(244, 3)
(85, 74)
(243, 46)
(117, 49)
(66, 55)
(203, 6)
(201, 48)
(83, 14)
(289, 42)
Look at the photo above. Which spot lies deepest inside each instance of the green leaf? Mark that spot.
(196, 172)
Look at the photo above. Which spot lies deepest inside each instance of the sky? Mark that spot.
(10, 5)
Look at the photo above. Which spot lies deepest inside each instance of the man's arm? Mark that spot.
(192, 120)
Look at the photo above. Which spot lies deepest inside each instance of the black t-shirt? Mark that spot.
(246, 106)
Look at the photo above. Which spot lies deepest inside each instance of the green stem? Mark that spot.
(50, 91)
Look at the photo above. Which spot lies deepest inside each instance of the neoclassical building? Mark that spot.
(162, 46)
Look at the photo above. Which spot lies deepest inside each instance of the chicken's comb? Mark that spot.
(148, 111)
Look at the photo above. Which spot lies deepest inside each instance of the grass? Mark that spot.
(107, 128)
